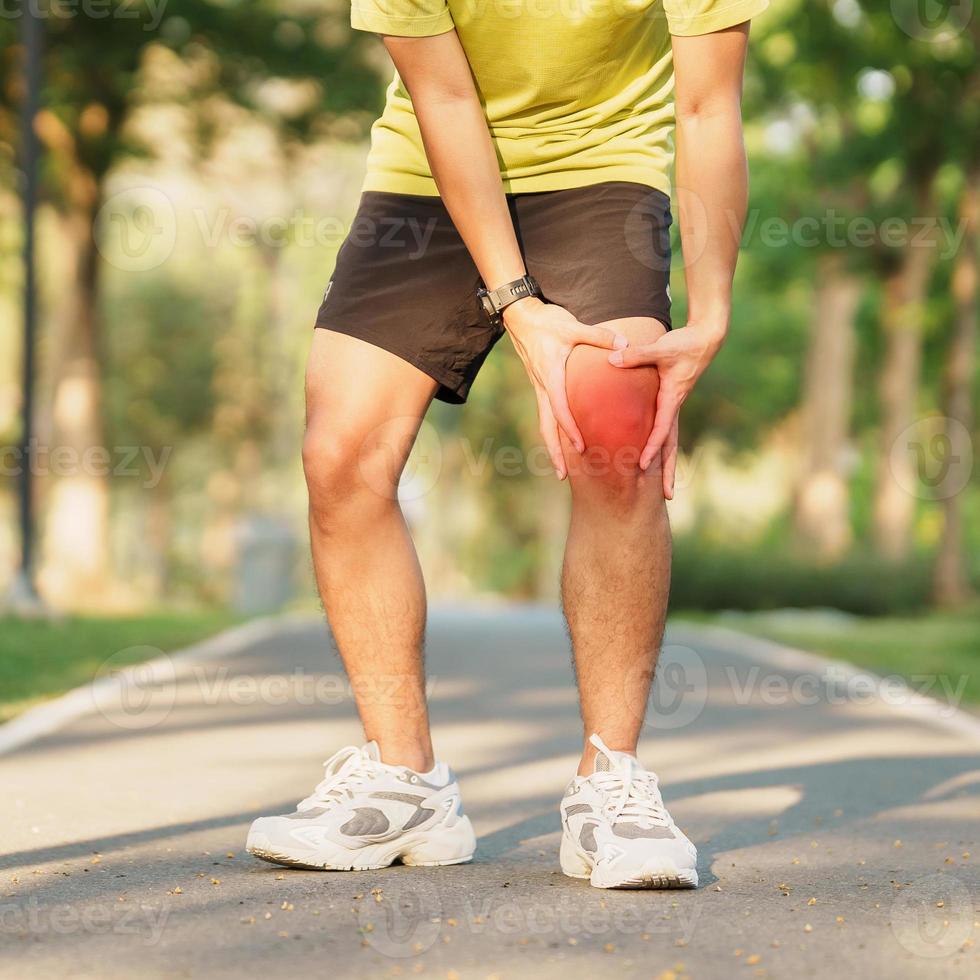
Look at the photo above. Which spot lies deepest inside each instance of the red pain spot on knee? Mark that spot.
(613, 407)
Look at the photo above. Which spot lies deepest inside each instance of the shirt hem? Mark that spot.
(422, 186)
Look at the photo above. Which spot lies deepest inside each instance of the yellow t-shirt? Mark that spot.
(576, 92)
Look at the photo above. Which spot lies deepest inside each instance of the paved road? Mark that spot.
(835, 829)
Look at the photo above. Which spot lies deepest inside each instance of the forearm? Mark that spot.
(712, 181)
(460, 153)
(464, 165)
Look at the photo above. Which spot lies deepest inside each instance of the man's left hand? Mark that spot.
(680, 357)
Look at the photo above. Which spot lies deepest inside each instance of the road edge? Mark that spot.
(921, 707)
(84, 700)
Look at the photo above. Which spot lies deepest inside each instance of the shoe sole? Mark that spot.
(666, 880)
(455, 845)
(575, 864)
(287, 860)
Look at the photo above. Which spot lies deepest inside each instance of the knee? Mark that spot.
(329, 462)
(344, 474)
(614, 409)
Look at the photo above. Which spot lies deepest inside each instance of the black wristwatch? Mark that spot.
(495, 301)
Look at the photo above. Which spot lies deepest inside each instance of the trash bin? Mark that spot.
(264, 570)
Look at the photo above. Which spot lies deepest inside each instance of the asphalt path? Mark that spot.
(837, 819)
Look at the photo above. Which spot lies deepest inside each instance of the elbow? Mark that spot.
(448, 95)
(694, 108)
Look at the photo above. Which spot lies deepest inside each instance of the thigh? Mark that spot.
(602, 252)
(404, 281)
(364, 405)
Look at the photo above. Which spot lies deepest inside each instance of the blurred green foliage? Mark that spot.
(262, 108)
(710, 575)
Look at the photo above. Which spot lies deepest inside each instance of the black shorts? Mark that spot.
(405, 282)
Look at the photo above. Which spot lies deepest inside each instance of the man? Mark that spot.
(532, 142)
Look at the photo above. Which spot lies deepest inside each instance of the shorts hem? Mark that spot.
(453, 390)
(631, 311)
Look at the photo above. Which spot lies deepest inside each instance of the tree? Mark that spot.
(822, 503)
(893, 99)
(809, 77)
(92, 70)
(929, 85)
(951, 578)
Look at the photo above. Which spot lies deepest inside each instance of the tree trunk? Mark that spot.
(901, 320)
(821, 509)
(951, 577)
(77, 514)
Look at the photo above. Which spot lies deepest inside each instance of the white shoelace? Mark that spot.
(633, 791)
(635, 795)
(344, 772)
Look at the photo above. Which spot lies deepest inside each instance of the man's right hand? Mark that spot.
(544, 335)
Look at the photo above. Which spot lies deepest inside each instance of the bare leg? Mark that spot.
(616, 575)
(364, 409)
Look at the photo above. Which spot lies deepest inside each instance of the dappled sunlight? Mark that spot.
(539, 697)
(958, 785)
(490, 744)
(783, 806)
(700, 756)
(726, 805)
(960, 809)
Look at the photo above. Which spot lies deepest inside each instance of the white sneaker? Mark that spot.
(366, 814)
(617, 832)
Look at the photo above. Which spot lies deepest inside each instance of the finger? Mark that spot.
(640, 356)
(549, 432)
(668, 405)
(669, 460)
(600, 337)
(562, 412)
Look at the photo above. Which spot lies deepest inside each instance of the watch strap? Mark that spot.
(495, 301)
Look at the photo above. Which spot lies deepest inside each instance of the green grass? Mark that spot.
(41, 659)
(707, 575)
(945, 645)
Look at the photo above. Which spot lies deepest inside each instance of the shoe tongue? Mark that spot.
(607, 759)
(372, 750)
